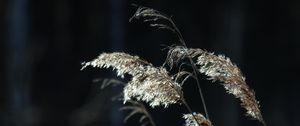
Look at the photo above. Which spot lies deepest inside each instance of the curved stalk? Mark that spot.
(148, 115)
(189, 109)
(181, 40)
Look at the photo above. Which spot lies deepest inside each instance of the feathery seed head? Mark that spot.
(150, 84)
(195, 119)
(155, 86)
(220, 68)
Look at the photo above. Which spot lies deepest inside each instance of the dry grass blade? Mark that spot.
(138, 108)
(150, 84)
(162, 26)
(105, 82)
(176, 54)
(220, 68)
(196, 119)
(143, 117)
(153, 16)
(144, 12)
(134, 106)
(182, 76)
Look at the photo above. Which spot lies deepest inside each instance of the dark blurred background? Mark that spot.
(43, 42)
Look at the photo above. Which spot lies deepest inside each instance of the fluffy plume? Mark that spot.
(122, 62)
(150, 84)
(154, 86)
(220, 68)
(196, 119)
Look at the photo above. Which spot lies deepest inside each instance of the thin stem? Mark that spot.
(148, 115)
(181, 40)
(201, 95)
(189, 109)
(186, 104)
(178, 33)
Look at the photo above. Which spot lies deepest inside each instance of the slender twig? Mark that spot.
(147, 114)
(185, 104)
(189, 109)
(181, 40)
(157, 15)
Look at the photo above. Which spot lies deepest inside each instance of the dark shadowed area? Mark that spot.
(44, 42)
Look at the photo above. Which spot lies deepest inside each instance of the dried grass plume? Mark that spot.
(220, 68)
(196, 119)
(150, 84)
